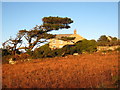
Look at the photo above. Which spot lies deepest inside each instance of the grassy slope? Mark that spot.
(82, 71)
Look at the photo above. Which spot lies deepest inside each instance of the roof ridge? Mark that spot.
(62, 34)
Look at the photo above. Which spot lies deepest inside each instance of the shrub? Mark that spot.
(42, 51)
(86, 46)
(103, 51)
(68, 49)
(107, 41)
(5, 59)
(59, 52)
(109, 50)
(6, 52)
(53, 53)
(30, 52)
(15, 57)
(24, 56)
(117, 49)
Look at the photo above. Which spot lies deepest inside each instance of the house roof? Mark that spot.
(62, 35)
(77, 36)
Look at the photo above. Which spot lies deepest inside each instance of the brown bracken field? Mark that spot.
(95, 70)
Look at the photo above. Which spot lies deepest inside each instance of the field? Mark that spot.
(95, 70)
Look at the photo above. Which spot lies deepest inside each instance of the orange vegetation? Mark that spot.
(95, 70)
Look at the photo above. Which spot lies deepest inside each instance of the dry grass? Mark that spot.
(82, 71)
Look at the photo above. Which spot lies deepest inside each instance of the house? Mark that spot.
(58, 43)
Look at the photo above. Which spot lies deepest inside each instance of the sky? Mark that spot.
(91, 19)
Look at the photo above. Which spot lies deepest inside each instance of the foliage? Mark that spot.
(108, 41)
(103, 38)
(117, 49)
(109, 50)
(54, 53)
(86, 46)
(5, 59)
(56, 23)
(35, 37)
(68, 49)
(42, 51)
(13, 44)
(5, 52)
(16, 57)
(24, 56)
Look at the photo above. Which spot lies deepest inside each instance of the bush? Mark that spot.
(5, 59)
(109, 50)
(103, 51)
(15, 57)
(107, 41)
(42, 51)
(24, 56)
(86, 46)
(117, 49)
(69, 49)
(29, 52)
(6, 52)
(53, 53)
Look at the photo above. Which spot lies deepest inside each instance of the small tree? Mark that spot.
(103, 41)
(13, 44)
(107, 41)
(114, 41)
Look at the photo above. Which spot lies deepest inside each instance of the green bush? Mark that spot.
(6, 52)
(68, 50)
(86, 46)
(105, 41)
(103, 51)
(42, 51)
(53, 53)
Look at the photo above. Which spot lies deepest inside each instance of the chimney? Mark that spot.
(75, 31)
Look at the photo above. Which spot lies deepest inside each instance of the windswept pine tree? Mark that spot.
(39, 34)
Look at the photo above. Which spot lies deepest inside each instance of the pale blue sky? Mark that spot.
(91, 19)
